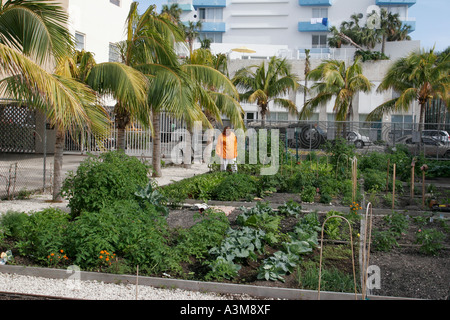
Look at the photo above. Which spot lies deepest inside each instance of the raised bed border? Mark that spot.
(189, 285)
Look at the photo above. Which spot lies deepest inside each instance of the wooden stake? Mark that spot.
(423, 189)
(387, 174)
(393, 188)
(137, 281)
(413, 165)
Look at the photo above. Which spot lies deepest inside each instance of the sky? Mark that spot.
(431, 21)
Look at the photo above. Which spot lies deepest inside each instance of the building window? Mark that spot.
(80, 41)
(319, 13)
(114, 54)
(210, 14)
(319, 41)
(115, 2)
(215, 37)
(277, 116)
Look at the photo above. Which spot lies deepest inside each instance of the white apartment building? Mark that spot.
(97, 25)
(285, 28)
(289, 26)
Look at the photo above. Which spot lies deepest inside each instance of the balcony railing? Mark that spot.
(395, 2)
(209, 3)
(313, 26)
(308, 3)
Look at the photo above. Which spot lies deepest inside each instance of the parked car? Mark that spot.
(440, 135)
(358, 139)
(430, 146)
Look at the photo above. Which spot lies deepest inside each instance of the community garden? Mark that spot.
(270, 234)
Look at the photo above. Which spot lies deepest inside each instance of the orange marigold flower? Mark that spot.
(62, 251)
(52, 254)
(101, 257)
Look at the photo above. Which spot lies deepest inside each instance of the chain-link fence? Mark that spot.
(25, 164)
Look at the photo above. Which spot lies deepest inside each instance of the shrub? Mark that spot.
(42, 233)
(138, 235)
(101, 180)
(430, 241)
(384, 240)
(11, 223)
(236, 187)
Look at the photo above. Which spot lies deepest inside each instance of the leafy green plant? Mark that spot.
(397, 222)
(11, 223)
(262, 217)
(240, 244)
(42, 233)
(101, 180)
(430, 241)
(222, 268)
(308, 194)
(277, 266)
(208, 232)
(236, 187)
(384, 240)
(290, 208)
(150, 195)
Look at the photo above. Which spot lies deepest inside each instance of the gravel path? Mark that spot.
(93, 290)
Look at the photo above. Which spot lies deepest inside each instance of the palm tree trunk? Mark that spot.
(156, 152)
(122, 120)
(422, 118)
(187, 151)
(58, 163)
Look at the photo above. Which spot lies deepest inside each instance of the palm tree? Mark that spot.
(173, 11)
(225, 102)
(267, 84)
(335, 80)
(191, 31)
(307, 70)
(150, 39)
(421, 76)
(33, 34)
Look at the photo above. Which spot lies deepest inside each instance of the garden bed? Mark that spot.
(259, 230)
(405, 270)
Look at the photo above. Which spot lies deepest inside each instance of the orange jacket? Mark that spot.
(226, 147)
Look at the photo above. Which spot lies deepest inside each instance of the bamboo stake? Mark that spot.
(413, 165)
(365, 252)
(354, 177)
(387, 174)
(137, 280)
(321, 249)
(393, 188)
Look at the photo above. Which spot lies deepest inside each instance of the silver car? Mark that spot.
(430, 147)
(440, 135)
(358, 139)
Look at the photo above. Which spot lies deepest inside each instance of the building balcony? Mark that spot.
(209, 3)
(312, 26)
(411, 23)
(185, 5)
(209, 26)
(315, 3)
(409, 3)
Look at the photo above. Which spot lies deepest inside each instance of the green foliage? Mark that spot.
(374, 180)
(240, 244)
(208, 232)
(102, 180)
(139, 235)
(370, 55)
(222, 269)
(262, 217)
(277, 266)
(236, 187)
(341, 154)
(42, 233)
(150, 195)
(308, 194)
(332, 279)
(333, 226)
(384, 240)
(290, 208)
(430, 241)
(397, 222)
(11, 224)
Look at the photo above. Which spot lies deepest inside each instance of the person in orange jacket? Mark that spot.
(226, 149)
